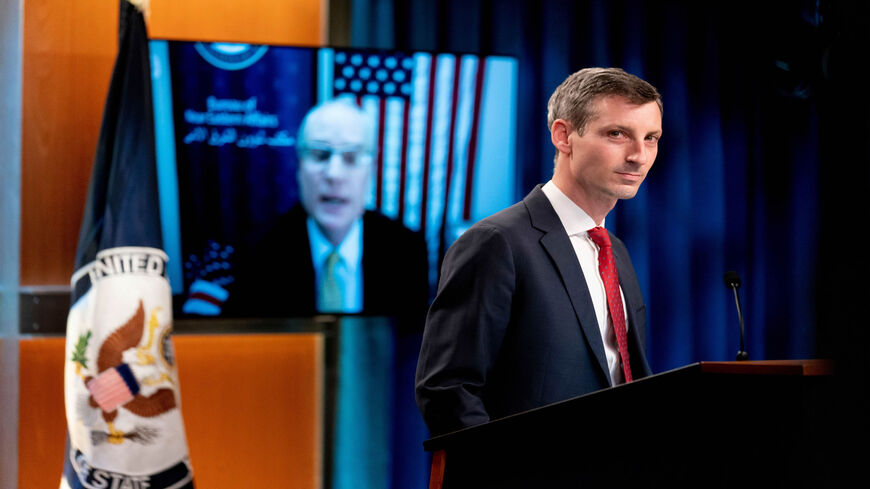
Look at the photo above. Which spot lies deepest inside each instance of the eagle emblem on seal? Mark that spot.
(115, 386)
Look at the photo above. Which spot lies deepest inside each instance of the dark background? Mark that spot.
(762, 169)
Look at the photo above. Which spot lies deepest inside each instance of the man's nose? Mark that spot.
(335, 166)
(640, 153)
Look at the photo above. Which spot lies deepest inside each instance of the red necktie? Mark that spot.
(607, 269)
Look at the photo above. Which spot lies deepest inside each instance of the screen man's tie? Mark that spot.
(330, 294)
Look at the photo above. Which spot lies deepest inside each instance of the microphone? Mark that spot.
(732, 281)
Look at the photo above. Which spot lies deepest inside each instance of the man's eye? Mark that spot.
(349, 158)
(320, 154)
(615, 134)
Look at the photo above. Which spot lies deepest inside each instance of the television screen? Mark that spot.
(349, 212)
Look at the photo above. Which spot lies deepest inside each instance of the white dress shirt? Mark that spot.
(576, 222)
(348, 270)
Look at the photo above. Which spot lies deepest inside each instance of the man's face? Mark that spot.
(611, 158)
(334, 169)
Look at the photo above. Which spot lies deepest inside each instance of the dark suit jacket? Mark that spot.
(277, 278)
(513, 327)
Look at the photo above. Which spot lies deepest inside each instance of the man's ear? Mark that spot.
(559, 132)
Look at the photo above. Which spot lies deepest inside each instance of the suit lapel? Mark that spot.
(557, 244)
(633, 299)
(622, 266)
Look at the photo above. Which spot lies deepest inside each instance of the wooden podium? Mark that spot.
(709, 424)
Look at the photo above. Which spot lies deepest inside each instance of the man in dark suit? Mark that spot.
(394, 270)
(529, 311)
(328, 254)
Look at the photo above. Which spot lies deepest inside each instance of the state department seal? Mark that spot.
(230, 56)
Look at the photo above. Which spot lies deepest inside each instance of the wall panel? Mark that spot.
(252, 407)
(68, 52)
(298, 22)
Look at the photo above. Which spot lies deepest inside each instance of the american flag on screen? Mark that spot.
(427, 110)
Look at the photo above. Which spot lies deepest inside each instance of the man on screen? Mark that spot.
(328, 254)
(539, 303)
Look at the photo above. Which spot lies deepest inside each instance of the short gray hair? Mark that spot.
(573, 99)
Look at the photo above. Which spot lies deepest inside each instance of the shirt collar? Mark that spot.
(574, 219)
(349, 250)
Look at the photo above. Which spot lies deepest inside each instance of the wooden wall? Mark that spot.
(252, 408)
(68, 51)
(296, 22)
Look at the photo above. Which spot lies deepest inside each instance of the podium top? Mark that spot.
(708, 423)
(770, 367)
(679, 385)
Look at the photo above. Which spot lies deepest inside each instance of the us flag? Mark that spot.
(431, 113)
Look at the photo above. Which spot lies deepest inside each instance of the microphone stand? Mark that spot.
(741, 354)
(732, 280)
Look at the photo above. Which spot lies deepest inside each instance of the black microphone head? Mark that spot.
(732, 279)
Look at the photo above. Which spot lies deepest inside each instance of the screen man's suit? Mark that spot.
(278, 279)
